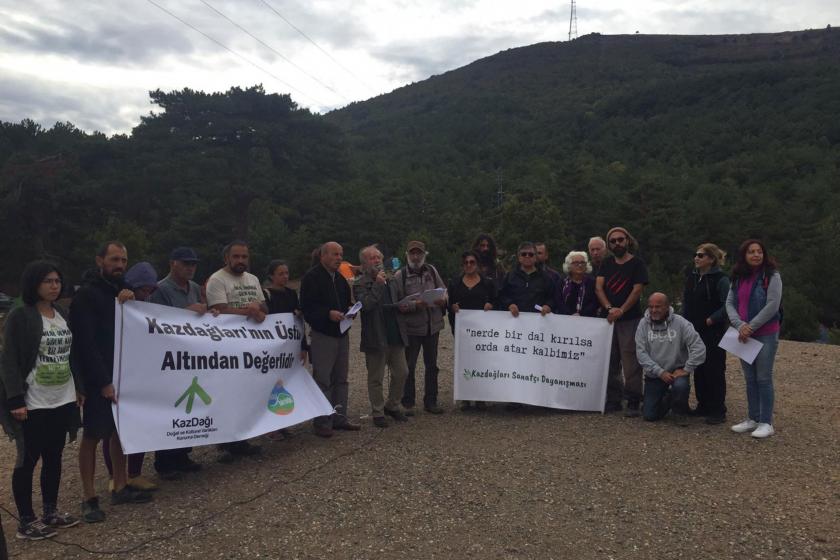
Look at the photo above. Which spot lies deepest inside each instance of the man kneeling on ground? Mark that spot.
(669, 350)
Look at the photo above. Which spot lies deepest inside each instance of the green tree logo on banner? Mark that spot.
(192, 391)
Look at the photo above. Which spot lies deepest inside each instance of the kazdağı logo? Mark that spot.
(192, 391)
(281, 402)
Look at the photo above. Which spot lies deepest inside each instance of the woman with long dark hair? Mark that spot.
(40, 395)
(470, 290)
(753, 308)
(704, 304)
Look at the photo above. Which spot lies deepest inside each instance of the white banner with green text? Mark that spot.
(556, 361)
(185, 379)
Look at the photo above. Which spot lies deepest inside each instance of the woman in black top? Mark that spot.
(470, 290)
(575, 294)
(281, 299)
(40, 396)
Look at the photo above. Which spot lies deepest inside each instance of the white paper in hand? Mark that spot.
(347, 322)
(747, 351)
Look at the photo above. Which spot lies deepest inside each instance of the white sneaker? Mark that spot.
(745, 426)
(763, 431)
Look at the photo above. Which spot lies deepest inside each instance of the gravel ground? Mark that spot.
(530, 484)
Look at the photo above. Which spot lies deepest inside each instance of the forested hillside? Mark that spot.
(681, 139)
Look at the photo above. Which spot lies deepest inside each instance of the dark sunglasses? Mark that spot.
(526, 254)
(616, 240)
(700, 255)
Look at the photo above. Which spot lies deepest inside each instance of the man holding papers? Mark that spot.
(325, 298)
(423, 321)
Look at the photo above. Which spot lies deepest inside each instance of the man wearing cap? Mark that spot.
(619, 286)
(423, 323)
(235, 291)
(177, 289)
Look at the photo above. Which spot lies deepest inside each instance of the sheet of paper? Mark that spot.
(347, 322)
(747, 351)
(431, 296)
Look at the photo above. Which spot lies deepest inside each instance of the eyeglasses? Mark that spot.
(700, 255)
(578, 263)
(526, 254)
(617, 240)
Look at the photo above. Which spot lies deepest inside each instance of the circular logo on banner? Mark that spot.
(281, 401)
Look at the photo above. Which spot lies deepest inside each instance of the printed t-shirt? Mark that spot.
(50, 381)
(619, 280)
(236, 291)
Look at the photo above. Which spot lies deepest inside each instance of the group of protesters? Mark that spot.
(57, 364)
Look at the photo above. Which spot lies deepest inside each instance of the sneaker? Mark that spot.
(433, 408)
(91, 512)
(716, 419)
(745, 426)
(56, 520)
(380, 422)
(141, 483)
(396, 415)
(763, 431)
(130, 496)
(35, 531)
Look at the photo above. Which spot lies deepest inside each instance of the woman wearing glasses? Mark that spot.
(704, 304)
(39, 395)
(575, 295)
(753, 308)
(470, 290)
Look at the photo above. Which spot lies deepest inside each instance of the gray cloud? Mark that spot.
(417, 60)
(88, 108)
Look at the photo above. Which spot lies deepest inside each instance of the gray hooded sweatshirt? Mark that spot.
(668, 345)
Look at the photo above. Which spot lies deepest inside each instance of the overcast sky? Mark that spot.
(93, 63)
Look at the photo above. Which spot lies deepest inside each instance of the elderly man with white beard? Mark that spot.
(669, 350)
(423, 323)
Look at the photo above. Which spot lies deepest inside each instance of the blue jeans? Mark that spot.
(658, 401)
(759, 378)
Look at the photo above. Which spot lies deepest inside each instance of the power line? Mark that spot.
(272, 49)
(233, 52)
(308, 38)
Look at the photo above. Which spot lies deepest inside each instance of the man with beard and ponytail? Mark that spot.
(618, 286)
(92, 357)
(423, 323)
(488, 264)
(235, 291)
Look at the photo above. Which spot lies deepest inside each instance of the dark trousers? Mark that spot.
(4, 552)
(429, 344)
(44, 432)
(660, 397)
(710, 378)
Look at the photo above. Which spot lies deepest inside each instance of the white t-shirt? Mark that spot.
(50, 381)
(236, 291)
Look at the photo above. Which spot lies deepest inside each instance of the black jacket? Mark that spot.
(705, 296)
(22, 337)
(321, 292)
(92, 325)
(526, 290)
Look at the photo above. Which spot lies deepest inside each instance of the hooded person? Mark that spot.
(669, 351)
